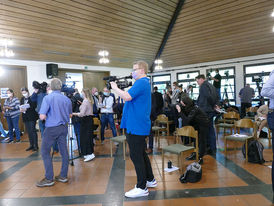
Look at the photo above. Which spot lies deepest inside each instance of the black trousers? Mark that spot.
(86, 135)
(202, 138)
(33, 139)
(138, 155)
(244, 106)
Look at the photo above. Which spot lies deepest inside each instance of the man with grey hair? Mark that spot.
(56, 109)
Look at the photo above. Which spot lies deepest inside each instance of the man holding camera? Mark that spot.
(136, 121)
(217, 82)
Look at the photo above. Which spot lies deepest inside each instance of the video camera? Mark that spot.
(257, 78)
(68, 90)
(122, 82)
(226, 73)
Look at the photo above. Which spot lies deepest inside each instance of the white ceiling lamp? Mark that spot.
(272, 14)
(4, 50)
(103, 56)
(158, 63)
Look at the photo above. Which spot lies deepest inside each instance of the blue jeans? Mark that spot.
(211, 138)
(3, 132)
(105, 119)
(13, 123)
(270, 121)
(42, 129)
(50, 136)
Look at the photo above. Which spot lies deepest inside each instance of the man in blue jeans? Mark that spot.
(56, 109)
(106, 104)
(136, 121)
(268, 91)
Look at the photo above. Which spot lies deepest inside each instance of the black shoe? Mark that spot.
(201, 161)
(34, 149)
(30, 148)
(192, 156)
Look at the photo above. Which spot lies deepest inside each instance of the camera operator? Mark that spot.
(76, 101)
(106, 104)
(136, 121)
(217, 82)
(194, 116)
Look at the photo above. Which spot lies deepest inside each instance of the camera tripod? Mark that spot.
(225, 95)
(70, 139)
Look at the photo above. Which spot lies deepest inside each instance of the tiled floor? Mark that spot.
(226, 180)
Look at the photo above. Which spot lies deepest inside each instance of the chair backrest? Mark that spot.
(252, 109)
(232, 115)
(245, 123)
(187, 131)
(96, 121)
(162, 118)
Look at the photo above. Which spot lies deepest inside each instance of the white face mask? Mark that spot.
(49, 91)
(82, 95)
(9, 95)
(25, 95)
(96, 93)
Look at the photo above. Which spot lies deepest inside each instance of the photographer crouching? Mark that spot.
(136, 121)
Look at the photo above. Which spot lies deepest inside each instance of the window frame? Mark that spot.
(161, 82)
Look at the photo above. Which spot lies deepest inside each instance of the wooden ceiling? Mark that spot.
(210, 30)
(73, 31)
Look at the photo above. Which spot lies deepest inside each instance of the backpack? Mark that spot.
(255, 152)
(212, 98)
(192, 174)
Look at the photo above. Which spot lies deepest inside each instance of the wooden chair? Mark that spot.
(243, 123)
(156, 130)
(228, 122)
(97, 132)
(179, 149)
(252, 110)
(119, 139)
(163, 120)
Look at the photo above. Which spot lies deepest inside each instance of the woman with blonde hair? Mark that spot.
(86, 129)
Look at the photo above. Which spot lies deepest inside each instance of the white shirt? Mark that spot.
(106, 105)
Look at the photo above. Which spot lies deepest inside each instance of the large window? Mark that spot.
(256, 75)
(188, 78)
(161, 81)
(227, 82)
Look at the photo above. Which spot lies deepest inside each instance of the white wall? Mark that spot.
(36, 70)
(238, 63)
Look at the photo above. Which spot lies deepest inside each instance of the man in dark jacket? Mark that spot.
(157, 104)
(207, 101)
(194, 116)
(76, 101)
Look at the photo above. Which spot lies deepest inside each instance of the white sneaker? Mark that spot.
(137, 192)
(152, 183)
(89, 157)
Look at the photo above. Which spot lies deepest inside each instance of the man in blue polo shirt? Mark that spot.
(268, 91)
(56, 109)
(136, 121)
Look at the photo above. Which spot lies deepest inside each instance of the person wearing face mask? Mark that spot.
(12, 113)
(86, 128)
(95, 96)
(29, 116)
(106, 104)
(136, 121)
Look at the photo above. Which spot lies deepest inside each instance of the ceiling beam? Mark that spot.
(168, 31)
